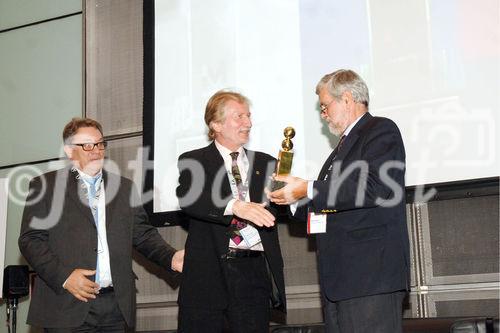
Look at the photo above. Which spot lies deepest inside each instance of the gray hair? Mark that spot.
(344, 80)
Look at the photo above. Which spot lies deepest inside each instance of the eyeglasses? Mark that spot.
(90, 146)
(324, 107)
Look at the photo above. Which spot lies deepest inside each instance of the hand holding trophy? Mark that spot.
(285, 157)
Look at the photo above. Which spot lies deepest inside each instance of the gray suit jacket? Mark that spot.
(58, 235)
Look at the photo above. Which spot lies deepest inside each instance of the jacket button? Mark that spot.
(95, 249)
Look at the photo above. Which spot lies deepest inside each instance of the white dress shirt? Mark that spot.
(104, 268)
(243, 165)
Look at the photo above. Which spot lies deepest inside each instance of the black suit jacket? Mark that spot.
(66, 238)
(202, 281)
(365, 249)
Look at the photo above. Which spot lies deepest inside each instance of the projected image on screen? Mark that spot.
(197, 55)
(423, 62)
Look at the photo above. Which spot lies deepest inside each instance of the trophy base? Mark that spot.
(276, 185)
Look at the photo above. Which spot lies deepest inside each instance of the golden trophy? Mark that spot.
(285, 157)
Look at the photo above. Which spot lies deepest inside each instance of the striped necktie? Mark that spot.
(236, 223)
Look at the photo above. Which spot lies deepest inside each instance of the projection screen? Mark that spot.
(431, 66)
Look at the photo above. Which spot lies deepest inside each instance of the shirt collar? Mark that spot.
(350, 127)
(89, 178)
(225, 152)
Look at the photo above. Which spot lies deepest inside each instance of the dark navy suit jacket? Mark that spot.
(365, 249)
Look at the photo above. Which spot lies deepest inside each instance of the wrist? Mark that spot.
(303, 189)
(236, 206)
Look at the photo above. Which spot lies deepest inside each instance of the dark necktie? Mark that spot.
(236, 223)
(334, 156)
(237, 175)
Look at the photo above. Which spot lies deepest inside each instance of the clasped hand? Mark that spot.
(295, 189)
(253, 212)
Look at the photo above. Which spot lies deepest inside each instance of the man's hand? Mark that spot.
(295, 189)
(80, 286)
(178, 261)
(253, 212)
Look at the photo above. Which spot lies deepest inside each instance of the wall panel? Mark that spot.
(114, 64)
(40, 88)
(15, 13)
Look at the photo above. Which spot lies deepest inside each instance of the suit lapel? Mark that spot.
(213, 163)
(353, 136)
(254, 177)
(216, 164)
(327, 164)
(255, 174)
(76, 191)
(347, 145)
(112, 193)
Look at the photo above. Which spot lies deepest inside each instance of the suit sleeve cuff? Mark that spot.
(310, 189)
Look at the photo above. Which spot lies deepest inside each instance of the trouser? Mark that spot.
(104, 316)
(382, 313)
(248, 288)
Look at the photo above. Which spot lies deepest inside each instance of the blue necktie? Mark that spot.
(92, 182)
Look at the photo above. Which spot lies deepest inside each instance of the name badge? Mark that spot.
(250, 236)
(316, 223)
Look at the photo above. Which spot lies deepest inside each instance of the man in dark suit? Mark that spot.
(357, 207)
(78, 229)
(233, 266)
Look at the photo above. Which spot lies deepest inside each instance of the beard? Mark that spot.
(335, 129)
(92, 167)
(338, 123)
